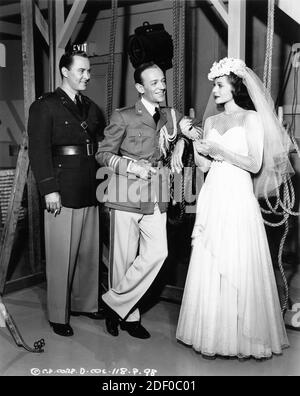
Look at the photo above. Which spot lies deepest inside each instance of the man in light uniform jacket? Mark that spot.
(137, 141)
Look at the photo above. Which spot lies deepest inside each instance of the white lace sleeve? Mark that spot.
(255, 141)
(200, 160)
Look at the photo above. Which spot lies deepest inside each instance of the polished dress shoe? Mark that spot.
(135, 329)
(92, 315)
(112, 320)
(62, 329)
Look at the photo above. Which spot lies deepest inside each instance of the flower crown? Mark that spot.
(225, 66)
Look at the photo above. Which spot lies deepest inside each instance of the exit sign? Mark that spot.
(89, 48)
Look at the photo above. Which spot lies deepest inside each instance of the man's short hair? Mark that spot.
(67, 59)
(139, 70)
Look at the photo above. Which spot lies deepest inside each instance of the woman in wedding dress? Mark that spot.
(230, 305)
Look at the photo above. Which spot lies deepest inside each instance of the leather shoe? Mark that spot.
(112, 320)
(62, 329)
(92, 315)
(135, 329)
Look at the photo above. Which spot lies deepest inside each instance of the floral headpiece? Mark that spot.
(225, 66)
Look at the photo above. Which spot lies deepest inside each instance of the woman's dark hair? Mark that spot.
(239, 92)
(67, 59)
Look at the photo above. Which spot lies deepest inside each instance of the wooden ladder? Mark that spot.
(7, 241)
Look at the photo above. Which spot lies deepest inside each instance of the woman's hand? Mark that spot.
(190, 131)
(185, 124)
(195, 133)
(209, 148)
(202, 147)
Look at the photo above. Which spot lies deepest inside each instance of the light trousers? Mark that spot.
(138, 249)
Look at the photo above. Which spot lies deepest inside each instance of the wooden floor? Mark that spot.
(91, 348)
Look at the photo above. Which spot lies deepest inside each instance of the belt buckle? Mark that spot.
(89, 149)
(84, 125)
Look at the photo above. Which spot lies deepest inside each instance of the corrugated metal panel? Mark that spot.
(6, 183)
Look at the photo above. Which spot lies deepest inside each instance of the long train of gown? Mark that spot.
(230, 304)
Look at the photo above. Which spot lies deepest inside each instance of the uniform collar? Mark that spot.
(149, 106)
(69, 93)
(70, 104)
(147, 118)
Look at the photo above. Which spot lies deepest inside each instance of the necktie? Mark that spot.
(78, 104)
(156, 115)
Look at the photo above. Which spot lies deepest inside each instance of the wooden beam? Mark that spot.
(10, 28)
(2, 55)
(51, 18)
(237, 28)
(72, 19)
(8, 236)
(42, 24)
(221, 9)
(28, 54)
(59, 51)
(27, 11)
(9, 10)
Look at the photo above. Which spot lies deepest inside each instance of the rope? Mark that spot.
(288, 191)
(176, 25)
(284, 301)
(179, 12)
(269, 46)
(182, 56)
(111, 63)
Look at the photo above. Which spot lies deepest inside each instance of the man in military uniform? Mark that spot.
(136, 143)
(64, 129)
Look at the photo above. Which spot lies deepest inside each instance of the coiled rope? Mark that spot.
(281, 207)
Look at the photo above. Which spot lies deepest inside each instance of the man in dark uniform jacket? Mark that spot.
(137, 141)
(64, 129)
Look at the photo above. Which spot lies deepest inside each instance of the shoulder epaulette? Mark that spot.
(45, 95)
(125, 108)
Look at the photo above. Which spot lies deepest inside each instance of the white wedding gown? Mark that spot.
(230, 304)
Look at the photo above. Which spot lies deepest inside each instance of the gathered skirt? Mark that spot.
(230, 304)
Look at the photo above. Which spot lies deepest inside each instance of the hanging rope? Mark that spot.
(267, 80)
(111, 63)
(176, 57)
(269, 46)
(179, 11)
(179, 14)
(281, 207)
(182, 56)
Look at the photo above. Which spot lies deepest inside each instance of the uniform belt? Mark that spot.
(84, 149)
